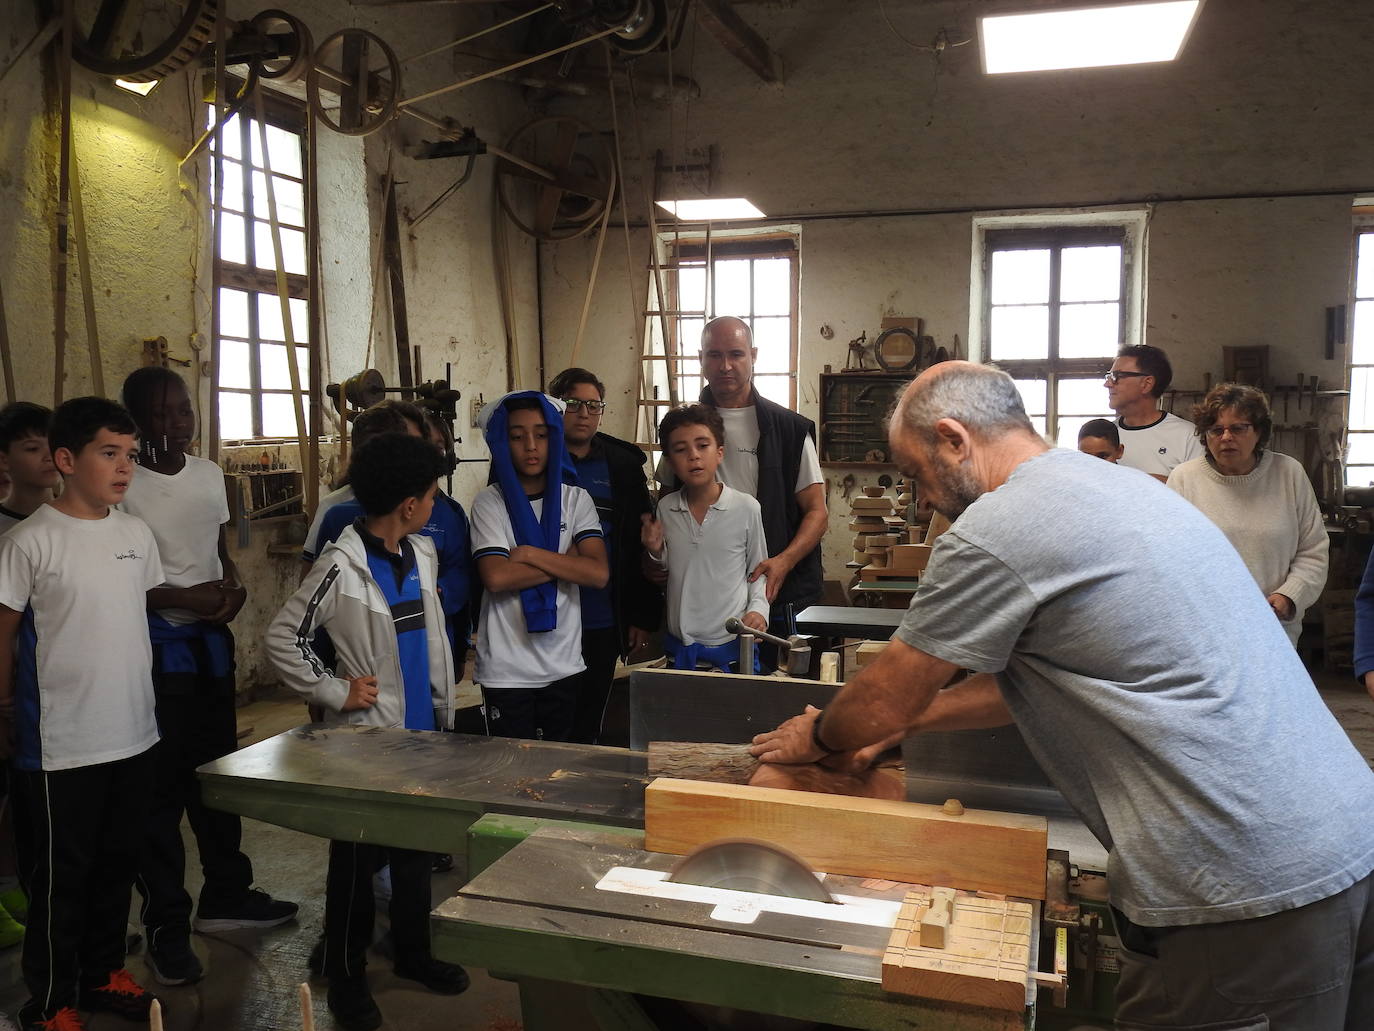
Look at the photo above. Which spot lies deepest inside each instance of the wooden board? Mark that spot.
(909, 558)
(863, 506)
(865, 524)
(900, 841)
(985, 960)
(867, 652)
(874, 572)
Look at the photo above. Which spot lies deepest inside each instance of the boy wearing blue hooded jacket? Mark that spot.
(536, 538)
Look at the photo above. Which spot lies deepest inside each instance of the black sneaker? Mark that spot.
(351, 1002)
(121, 995)
(255, 909)
(434, 974)
(315, 961)
(173, 962)
(31, 1017)
(443, 863)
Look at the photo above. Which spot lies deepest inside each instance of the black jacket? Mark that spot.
(634, 600)
(781, 436)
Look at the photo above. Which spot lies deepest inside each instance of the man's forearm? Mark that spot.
(885, 699)
(815, 521)
(972, 704)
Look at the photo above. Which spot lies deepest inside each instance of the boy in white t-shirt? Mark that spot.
(181, 498)
(26, 459)
(76, 716)
(536, 538)
(710, 537)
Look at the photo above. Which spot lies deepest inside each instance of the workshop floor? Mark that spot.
(251, 978)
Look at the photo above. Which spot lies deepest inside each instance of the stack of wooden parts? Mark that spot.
(873, 522)
(961, 948)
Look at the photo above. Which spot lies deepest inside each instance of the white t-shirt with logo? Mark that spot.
(83, 663)
(508, 656)
(740, 467)
(1156, 449)
(185, 511)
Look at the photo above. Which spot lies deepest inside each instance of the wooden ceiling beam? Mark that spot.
(720, 19)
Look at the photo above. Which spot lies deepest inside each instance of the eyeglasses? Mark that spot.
(1237, 429)
(574, 403)
(1116, 377)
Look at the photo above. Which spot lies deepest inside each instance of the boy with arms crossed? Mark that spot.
(76, 714)
(374, 591)
(536, 539)
(710, 537)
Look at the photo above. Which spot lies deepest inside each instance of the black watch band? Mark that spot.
(816, 736)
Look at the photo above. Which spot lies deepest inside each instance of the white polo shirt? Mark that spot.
(508, 655)
(1156, 449)
(709, 565)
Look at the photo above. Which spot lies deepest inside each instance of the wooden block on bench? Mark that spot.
(867, 652)
(909, 558)
(863, 837)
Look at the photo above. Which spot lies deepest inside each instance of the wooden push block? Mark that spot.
(936, 920)
(863, 837)
(867, 652)
(985, 959)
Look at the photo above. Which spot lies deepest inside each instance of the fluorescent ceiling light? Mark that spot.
(1087, 37)
(141, 88)
(711, 209)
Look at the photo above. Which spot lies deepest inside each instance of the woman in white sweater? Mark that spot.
(1262, 500)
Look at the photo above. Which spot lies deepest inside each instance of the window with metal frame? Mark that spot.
(1054, 317)
(1359, 468)
(254, 381)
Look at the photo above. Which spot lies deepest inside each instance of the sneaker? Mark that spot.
(351, 1002)
(11, 930)
(255, 909)
(31, 1018)
(173, 962)
(120, 994)
(436, 975)
(15, 903)
(315, 961)
(443, 863)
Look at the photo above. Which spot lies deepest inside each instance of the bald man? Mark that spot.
(1162, 698)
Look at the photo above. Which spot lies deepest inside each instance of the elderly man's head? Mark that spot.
(727, 360)
(948, 429)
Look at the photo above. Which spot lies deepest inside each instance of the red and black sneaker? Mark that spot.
(31, 1018)
(120, 994)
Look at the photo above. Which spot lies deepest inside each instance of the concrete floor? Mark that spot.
(251, 978)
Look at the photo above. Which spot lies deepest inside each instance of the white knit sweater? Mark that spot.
(1270, 516)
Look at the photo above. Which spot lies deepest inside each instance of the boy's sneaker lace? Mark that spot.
(120, 994)
(64, 1019)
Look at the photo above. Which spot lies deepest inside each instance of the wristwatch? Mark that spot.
(816, 736)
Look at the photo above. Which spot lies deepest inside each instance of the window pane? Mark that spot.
(689, 335)
(773, 286)
(1359, 476)
(1362, 334)
(1089, 330)
(1090, 273)
(290, 199)
(1034, 395)
(776, 388)
(283, 148)
(691, 285)
(1364, 266)
(732, 287)
(1361, 399)
(233, 145)
(1069, 426)
(233, 185)
(292, 247)
(232, 247)
(1084, 397)
(235, 416)
(234, 358)
(269, 319)
(275, 374)
(773, 338)
(1361, 449)
(1020, 332)
(278, 416)
(233, 313)
(1020, 277)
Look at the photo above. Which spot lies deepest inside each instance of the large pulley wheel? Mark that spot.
(295, 59)
(643, 24)
(368, 98)
(580, 185)
(141, 40)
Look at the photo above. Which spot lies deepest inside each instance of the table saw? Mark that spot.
(564, 898)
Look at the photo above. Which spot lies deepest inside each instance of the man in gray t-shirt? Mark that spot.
(1151, 681)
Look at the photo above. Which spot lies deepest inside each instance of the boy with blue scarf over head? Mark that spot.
(536, 539)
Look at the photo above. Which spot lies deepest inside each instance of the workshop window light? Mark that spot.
(141, 88)
(711, 209)
(1088, 37)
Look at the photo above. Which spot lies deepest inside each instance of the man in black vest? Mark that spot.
(770, 454)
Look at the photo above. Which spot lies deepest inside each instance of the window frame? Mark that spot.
(291, 116)
(1364, 228)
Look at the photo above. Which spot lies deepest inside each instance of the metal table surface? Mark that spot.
(538, 913)
(847, 621)
(417, 789)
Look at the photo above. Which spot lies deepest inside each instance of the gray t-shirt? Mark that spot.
(1153, 684)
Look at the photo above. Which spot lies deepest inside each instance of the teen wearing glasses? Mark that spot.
(1262, 500)
(618, 619)
(1155, 441)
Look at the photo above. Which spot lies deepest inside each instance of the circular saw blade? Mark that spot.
(743, 864)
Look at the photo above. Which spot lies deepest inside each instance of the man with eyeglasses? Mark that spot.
(618, 619)
(1155, 441)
